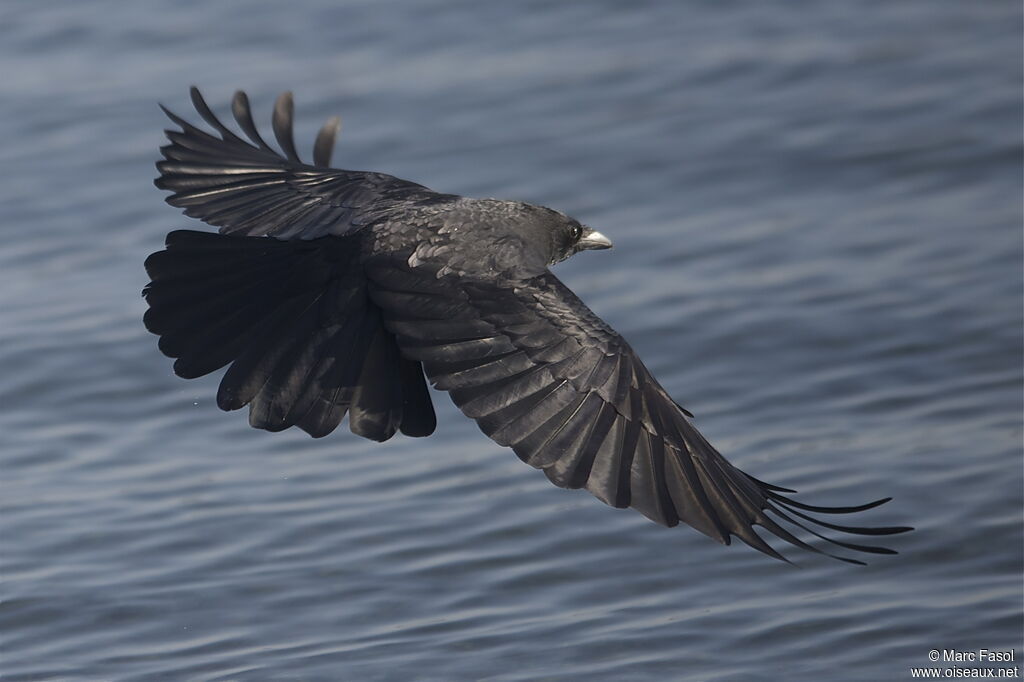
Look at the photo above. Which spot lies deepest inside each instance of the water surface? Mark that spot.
(817, 217)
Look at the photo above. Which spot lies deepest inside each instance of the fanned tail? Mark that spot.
(304, 343)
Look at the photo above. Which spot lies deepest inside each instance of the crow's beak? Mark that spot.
(592, 239)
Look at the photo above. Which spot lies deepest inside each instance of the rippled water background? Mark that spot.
(817, 216)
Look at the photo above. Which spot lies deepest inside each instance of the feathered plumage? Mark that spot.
(332, 291)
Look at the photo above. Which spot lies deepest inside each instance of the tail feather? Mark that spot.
(269, 375)
(323, 417)
(216, 345)
(377, 404)
(418, 417)
(292, 319)
(287, 373)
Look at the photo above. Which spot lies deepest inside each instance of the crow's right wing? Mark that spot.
(245, 187)
(541, 373)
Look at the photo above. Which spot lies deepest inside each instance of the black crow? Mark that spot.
(332, 292)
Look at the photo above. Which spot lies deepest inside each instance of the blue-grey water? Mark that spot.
(817, 215)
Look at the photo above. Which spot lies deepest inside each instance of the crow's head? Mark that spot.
(566, 235)
(511, 237)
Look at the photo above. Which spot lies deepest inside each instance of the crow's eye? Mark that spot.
(576, 232)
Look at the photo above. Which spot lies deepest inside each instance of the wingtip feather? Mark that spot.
(284, 114)
(324, 145)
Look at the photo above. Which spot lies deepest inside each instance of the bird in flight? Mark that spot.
(329, 292)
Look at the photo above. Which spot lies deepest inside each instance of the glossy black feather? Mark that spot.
(292, 319)
(324, 144)
(343, 287)
(247, 188)
(570, 397)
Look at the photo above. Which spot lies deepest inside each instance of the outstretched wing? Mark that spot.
(539, 372)
(245, 187)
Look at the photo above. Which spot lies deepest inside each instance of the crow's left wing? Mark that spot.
(246, 187)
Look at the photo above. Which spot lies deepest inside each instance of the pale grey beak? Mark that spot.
(594, 240)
